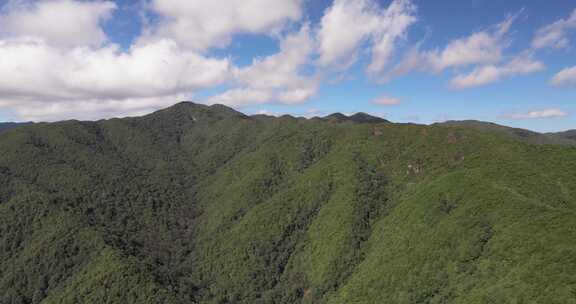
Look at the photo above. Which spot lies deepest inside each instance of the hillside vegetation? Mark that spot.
(559, 138)
(202, 204)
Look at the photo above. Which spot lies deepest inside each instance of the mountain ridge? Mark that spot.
(199, 204)
(222, 111)
(518, 133)
(5, 126)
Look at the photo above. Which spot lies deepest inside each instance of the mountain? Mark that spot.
(366, 118)
(562, 138)
(336, 117)
(203, 204)
(570, 134)
(5, 126)
(359, 117)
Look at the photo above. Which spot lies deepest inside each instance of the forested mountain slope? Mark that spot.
(560, 138)
(198, 204)
(570, 134)
(4, 126)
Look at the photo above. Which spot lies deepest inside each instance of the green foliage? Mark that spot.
(560, 138)
(198, 204)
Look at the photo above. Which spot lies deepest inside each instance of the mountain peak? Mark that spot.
(366, 118)
(225, 109)
(140, 189)
(335, 117)
(198, 112)
(359, 117)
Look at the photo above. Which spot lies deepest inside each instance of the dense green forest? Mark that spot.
(203, 204)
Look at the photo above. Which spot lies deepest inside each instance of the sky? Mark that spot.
(511, 62)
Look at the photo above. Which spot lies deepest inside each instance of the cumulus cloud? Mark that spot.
(241, 97)
(281, 69)
(87, 109)
(42, 74)
(276, 78)
(521, 65)
(267, 112)
(555, 35)
(297, 95)
(201, 24)
(38, 70)
(64, 23)
(347, 24)
(566, 77)
(482, 51)
(538, 114)
(483, 47)
(479, 48)
(56, 61)
(386, 101)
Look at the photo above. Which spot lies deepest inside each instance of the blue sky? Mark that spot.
(503, 61)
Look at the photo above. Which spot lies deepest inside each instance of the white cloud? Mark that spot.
(40, 74)
(297, 95)
(349, 23)
(483, 75)
(483, 51)
(312, 112)
(246, 96)
(53, 67)
(480, 48)
(88, 109)
(64, 23)
(342, 28)
(281, 69)
(309, 113)
(394, 24)
(538, 114)
(56, 61)
(162, 68)
(159, 68)
(386, 101)
(268, 113)
(555, 35)
(413, 60)
(241, 97)
(54, 64)
(201, 24)
(566, 77)
(276, 78)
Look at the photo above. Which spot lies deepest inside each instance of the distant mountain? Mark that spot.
(203, 204)
(570, 134)
(358, 117)
(335, 117)
(4, 126)
(366, 118)
(522, 134)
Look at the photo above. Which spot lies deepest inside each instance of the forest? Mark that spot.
(203, 204)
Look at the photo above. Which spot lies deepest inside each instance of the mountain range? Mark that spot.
(563, 138)
(5, 126)
(204, 204)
